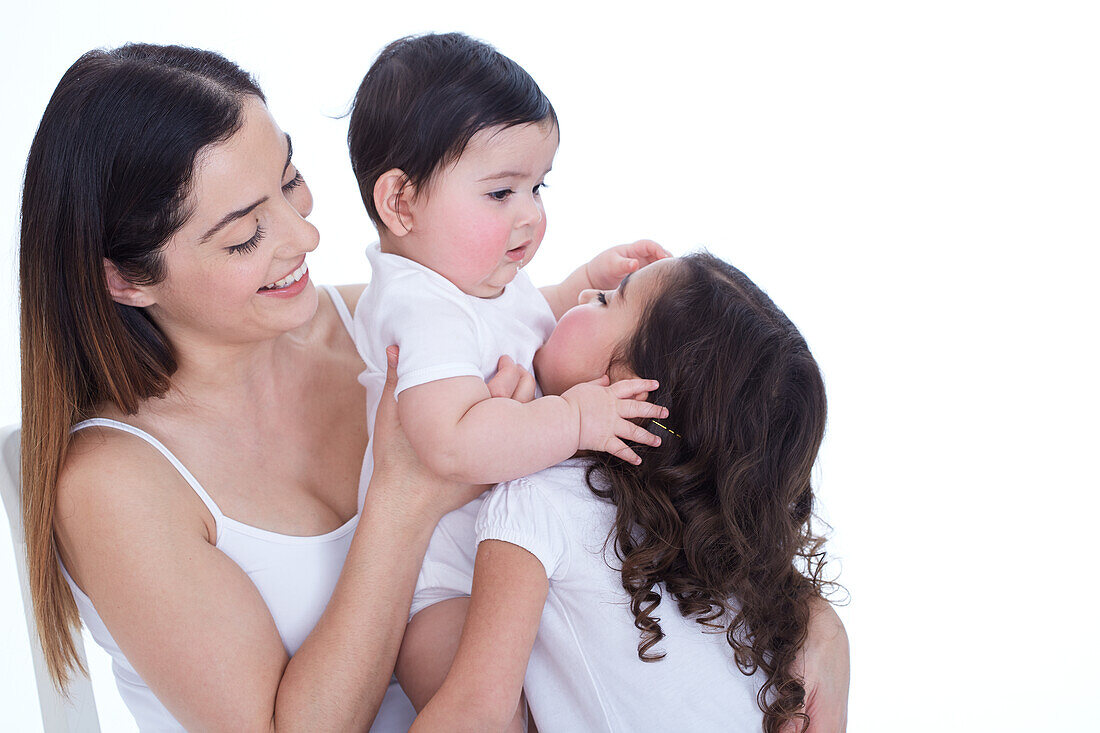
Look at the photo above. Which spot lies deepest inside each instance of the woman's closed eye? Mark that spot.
(601, 297)
(250, 244)
(294, 182)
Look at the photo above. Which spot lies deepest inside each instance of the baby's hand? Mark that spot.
(607, 269)
(511, 381)
(605, 411)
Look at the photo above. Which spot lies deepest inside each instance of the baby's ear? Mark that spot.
(122, 290)
(392, 196)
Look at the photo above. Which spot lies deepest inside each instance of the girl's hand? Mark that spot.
(512, 381)
(605, 412)
(400, 470)
(607, 269)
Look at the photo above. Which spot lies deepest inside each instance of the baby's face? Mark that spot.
(584, 341)
(482, 218)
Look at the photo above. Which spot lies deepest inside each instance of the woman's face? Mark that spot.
(583, 343)
(236, 269)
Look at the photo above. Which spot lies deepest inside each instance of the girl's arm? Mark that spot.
(192, 623)
(464, 434)
(603, 272)
(823, 664)
(482, 689)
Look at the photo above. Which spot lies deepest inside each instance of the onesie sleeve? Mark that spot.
(437, 335)
(519, 512)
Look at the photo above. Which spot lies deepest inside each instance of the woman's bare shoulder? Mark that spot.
(116, 485)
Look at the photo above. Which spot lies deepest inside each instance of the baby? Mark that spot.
(450, 142)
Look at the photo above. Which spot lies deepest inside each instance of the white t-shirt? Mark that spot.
(584, 672)
(442, 332)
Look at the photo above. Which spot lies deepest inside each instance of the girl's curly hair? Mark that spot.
(719, 515)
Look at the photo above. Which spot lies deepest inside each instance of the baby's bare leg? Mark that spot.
(427, 650)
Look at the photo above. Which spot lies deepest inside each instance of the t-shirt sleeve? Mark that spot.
(520, 512)
(438, 337)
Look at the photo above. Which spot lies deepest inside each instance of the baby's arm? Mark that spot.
(482, 689)
(459, 430)
(602, 272)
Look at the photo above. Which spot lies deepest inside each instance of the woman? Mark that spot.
(204, 516)
(163, 286)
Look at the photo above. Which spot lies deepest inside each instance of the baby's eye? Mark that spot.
(501, 195)
(602, 297)
(538, 187)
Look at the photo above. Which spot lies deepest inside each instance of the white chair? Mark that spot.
(75, 713)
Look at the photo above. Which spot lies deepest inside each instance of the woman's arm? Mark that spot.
(194, 626)
(482, 689)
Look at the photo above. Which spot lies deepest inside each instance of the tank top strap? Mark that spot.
(191, 480)
(341, 308)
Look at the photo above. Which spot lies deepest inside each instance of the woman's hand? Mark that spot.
(398, 468)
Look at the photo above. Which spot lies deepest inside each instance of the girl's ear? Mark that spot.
(392, 198)
(122, 290)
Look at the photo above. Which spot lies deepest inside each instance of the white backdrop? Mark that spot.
(915, 184)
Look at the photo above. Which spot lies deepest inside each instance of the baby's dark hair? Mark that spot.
(718, 516)
(425, 97)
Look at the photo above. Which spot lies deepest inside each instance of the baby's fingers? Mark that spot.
(636, 408)
(627, 388)
(619, 449)
(638, 434)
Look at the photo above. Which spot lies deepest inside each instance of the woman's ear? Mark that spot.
(392, 198)
(122, 290)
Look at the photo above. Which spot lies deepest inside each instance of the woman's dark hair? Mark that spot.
(719, 514)
(425, 97)
(108, 178)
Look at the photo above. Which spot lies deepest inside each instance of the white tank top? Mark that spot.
(294, 575)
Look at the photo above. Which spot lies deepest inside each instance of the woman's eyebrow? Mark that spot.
(232, 216)
(289, 152)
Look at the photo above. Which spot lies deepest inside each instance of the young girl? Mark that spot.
(450, 142)
(674, 594)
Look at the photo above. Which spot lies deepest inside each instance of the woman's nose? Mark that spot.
(300, 235)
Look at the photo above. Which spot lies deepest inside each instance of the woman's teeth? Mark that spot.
(291, 278)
